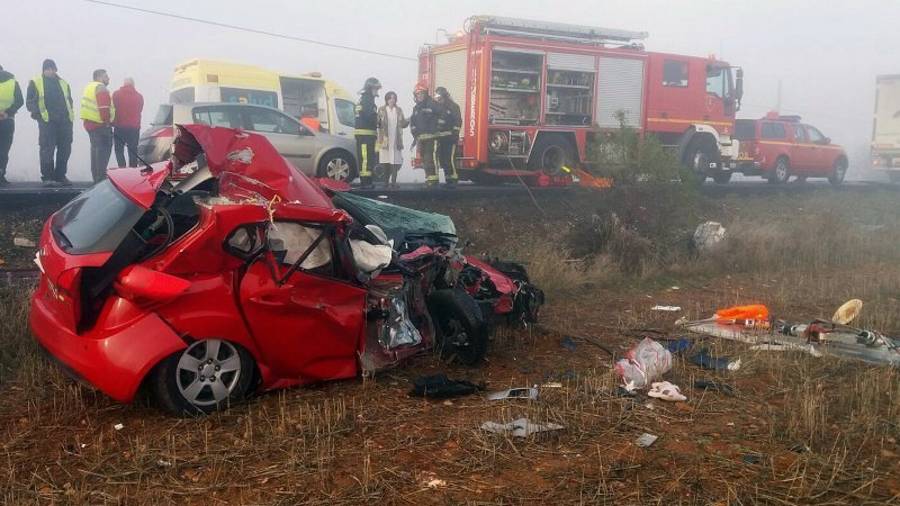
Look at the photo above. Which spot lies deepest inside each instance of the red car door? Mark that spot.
(821, 162)
(307, 323)
(802, 157)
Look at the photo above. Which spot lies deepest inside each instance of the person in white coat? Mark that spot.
(391, 122)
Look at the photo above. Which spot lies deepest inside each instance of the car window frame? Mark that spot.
(723, 92)
(687, 73)
(330, 233)
(809, 130)
(803, 138)
(207, 109)
(338, 115)
(303, 131)
(762, 131)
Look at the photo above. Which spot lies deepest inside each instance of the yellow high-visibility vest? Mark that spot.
(89, 109)
(42, 106)
(7, 94)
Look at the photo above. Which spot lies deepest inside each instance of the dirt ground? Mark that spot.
(795, 430)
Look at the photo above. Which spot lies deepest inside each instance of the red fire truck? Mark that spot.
(534, 93)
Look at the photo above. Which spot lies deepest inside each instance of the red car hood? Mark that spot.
(246, 162)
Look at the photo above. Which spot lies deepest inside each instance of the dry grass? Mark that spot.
(799, 430)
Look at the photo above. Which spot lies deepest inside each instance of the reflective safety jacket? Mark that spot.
(425, 119)
(451, 119)
(37, 101)
(90, 109)
(366, 115)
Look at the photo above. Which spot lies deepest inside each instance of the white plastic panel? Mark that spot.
(450, 72)
(568, 61)
(620, 84)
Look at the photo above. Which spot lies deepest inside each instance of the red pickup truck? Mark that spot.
(782, 146)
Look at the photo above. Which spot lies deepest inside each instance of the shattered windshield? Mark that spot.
(393, 219)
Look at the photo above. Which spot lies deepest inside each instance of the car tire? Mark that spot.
(702, 151)
(781, 172)
(462, 333)
(550, 154)
(177, 386)
(722, 177)
(838, 172)
(338, 165)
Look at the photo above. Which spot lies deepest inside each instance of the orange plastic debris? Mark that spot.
(588, 180)
(756, 312)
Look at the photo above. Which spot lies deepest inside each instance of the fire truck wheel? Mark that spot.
(722, 177)
(550, 154)
(840, 170)
(702, 151)
(781, 172)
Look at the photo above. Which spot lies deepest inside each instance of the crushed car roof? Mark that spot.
(261, 169)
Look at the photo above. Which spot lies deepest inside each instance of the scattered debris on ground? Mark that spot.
(520, 427)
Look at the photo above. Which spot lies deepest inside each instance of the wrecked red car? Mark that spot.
(249, 276)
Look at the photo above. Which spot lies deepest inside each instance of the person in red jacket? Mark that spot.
(129, 104)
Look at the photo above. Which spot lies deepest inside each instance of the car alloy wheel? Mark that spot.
(208, 372)
(338, 169)
(455, 333)
(462, 333)
(780, 173)
(840, 170)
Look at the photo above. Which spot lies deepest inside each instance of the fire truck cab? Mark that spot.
(533, 94)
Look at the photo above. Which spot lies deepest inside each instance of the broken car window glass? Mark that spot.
(294, 239)
(396, 221)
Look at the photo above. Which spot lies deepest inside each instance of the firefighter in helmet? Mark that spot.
(448, 135)
(424, 127)
(366, 130)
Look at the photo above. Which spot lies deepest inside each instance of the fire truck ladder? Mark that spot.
(553, 31)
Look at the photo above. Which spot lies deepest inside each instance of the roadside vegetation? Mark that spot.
(797, 430)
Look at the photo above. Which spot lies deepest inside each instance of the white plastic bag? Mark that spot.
(646, 362)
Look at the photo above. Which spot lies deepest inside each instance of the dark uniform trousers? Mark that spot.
(447, 146)
(428, 150)
(7, 130)
(54, 137)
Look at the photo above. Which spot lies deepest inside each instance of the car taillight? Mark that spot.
(65, 291)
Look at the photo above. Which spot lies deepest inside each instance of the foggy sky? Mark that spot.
(826, 54)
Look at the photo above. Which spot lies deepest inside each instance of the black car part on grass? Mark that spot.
(439, 386)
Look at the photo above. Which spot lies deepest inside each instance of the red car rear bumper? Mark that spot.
(115, 362)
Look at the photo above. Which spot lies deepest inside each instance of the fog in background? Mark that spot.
(825, 54)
